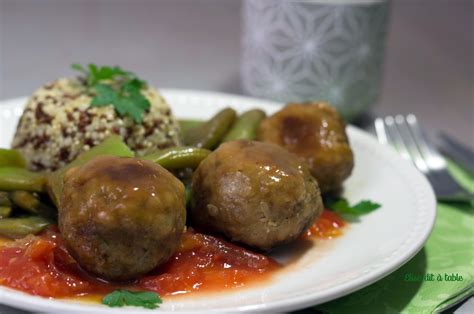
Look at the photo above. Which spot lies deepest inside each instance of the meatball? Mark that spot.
(254, 193)
(315, 133)
(121, 217)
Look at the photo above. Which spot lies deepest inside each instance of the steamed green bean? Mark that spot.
(21, 227)
(246, 126)
(4, 200)
(5, 211)
(185, 125)
(179, 157)
(209, 134)
(12, 179)
(11, 158)
(32, 204)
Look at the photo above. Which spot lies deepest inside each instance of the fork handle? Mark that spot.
(457, 197)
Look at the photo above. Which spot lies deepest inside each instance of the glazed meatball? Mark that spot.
(254, 193)
(315, 132)
(121, 217)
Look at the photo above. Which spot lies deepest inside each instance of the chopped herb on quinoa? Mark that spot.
(113, 86)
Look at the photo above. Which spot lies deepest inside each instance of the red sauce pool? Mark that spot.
(40, 265)
(329, 225)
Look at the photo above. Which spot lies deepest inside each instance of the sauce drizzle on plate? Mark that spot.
(40, 265)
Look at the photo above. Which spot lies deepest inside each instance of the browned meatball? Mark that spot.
(121, 217)
(316, 134)
(254, 193)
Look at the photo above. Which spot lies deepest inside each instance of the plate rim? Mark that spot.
(378, 272)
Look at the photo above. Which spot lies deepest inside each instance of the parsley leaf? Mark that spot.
(103, 73)
(105, 96)
(132, 89)
(78, 67)
(342, 206)
(126, 106)
(119, 298)
(117, 87)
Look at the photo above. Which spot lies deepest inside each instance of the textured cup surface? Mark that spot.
(294, 51)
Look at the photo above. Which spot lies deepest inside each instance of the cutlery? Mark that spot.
(459, 153)
(405, 135)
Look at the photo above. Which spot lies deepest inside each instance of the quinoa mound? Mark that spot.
(58, 124)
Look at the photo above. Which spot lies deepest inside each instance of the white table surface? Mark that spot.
(429, 67)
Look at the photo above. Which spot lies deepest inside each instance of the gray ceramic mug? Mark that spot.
(295, 50)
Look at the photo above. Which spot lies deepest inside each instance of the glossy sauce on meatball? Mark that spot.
(254, 193)
(316, 134)
(121, 217)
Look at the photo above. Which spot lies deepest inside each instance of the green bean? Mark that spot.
(185, 125)
(209, 134)
(112, 146)
(32, 204)
(12, 179)
(11, 158)
(5, 211)
(178, 157)
(21, 227)
(4, 200)
(187, 195)
(5, 205)
(246, 126)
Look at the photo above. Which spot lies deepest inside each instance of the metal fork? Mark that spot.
(405, 135)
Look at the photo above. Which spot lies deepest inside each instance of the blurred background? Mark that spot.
(195, 44)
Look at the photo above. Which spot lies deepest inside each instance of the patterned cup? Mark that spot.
(295, 51)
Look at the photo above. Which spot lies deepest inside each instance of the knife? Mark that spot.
(458, 152)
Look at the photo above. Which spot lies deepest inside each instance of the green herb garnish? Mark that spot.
(341, 206)
(119, 298)
(117, 87)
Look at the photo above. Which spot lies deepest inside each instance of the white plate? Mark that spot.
(369, 250)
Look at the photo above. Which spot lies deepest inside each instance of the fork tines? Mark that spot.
(405, 135)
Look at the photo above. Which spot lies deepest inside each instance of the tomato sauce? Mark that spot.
(207, 263)
(329, 225)
(40, 265)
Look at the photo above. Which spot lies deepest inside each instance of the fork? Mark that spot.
(405, 135)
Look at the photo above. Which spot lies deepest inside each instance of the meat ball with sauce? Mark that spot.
(121, 217)
(254, 193)
(315, 132)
